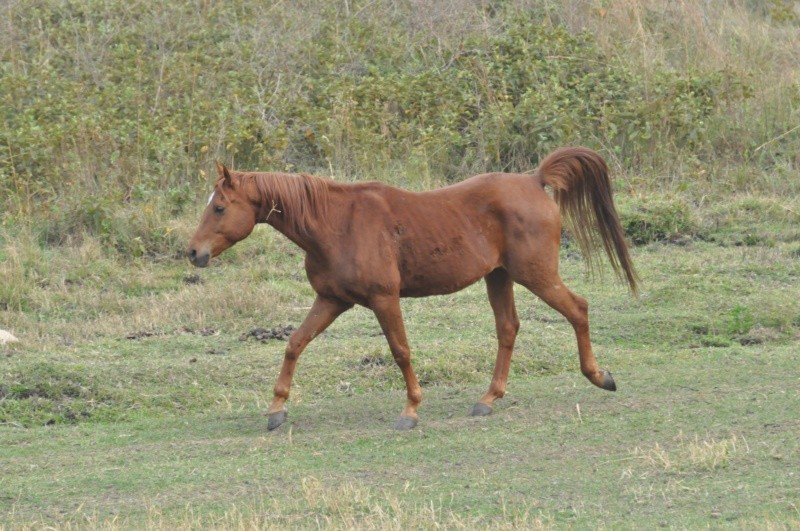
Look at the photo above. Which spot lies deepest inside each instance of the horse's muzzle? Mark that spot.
(198, 259)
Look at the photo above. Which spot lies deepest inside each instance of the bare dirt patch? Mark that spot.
(279, 332)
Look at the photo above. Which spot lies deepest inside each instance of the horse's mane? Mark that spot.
(297, 198)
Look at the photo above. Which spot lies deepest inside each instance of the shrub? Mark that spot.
(98, 101)
(655, 219)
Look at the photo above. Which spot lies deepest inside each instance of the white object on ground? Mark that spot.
(7, 337)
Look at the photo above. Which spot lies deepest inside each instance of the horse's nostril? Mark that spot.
(198, 258)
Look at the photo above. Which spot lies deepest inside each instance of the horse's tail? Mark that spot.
(582, 190)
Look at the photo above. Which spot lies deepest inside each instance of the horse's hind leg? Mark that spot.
(547, 285)
(500, 288)
(323, 312)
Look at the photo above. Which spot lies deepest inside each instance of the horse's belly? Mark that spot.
(438, 277)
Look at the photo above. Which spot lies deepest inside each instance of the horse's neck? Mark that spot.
(309, 235)
(303, 238)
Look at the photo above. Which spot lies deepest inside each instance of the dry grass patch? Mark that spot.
(317, 505)
(71, 294)
(712, 454)
(687, 34)
(693, 454)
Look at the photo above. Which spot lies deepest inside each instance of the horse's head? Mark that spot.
(229, 217)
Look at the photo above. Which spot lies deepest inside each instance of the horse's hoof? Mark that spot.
(608, 381)
(405, 423)
(480, 410)
(276, 419)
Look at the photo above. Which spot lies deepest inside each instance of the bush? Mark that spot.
(656, 219)
(99, 102)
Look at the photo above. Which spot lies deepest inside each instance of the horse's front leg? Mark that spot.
(390, 317)
(323, 312)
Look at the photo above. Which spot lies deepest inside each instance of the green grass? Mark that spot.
(167, 429)
(624, 458)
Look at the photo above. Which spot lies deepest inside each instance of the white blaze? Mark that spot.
(210, 198)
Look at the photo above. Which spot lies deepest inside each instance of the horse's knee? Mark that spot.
(507, 332)
(293, 348)
(291, 355)
(510, 327)
(402, 357)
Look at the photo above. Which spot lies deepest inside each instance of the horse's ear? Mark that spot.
(224, 175)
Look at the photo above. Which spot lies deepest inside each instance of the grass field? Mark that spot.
(133, 401)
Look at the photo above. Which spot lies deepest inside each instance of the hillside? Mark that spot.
(113, 112)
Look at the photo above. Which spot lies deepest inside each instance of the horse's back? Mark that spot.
(518, 203)
(443, 240)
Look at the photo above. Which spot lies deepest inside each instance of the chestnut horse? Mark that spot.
(368, 243)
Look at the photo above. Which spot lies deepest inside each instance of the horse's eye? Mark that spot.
(219, 209)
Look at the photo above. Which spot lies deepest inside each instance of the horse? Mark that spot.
(370, 244)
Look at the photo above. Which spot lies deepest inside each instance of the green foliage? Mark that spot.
(138, 228)
(500, 103)
(741, 321)
(657, 218)
(782, 11)
(103, 111)
(715, 341)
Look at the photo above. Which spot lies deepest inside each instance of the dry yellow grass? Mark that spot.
(320, 506)
(693, 453)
